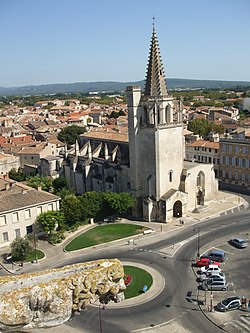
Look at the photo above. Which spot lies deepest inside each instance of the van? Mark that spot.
(217, 255)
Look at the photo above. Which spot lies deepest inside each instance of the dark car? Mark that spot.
(238, 242)
(230, 303)
(217, 255)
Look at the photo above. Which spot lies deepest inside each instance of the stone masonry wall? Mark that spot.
(50, 297)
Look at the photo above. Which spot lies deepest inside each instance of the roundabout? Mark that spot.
(156, 288)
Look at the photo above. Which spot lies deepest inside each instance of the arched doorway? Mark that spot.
(200, 198)
(177, 209)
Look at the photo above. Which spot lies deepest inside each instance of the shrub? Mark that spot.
(56, 238)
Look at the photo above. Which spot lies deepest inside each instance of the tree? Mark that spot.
(20, 248)
(51, 221)
(59, 183)
(71, 207)
(200, 126)
(17, 175)
(92, 205)
(65, 192)
(218, 128)
(70, 134)
(43, 181)
(203, 127)
(120, 202)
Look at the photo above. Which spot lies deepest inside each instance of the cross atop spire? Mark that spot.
(155, 78)
(153, 18)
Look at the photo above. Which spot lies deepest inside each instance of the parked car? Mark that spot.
(210, 268)
(217, 255)
(214, 285)
(230, 303)
(238, 242)
(207, 275)
(215, 278)
(206, 262)
(109, 219)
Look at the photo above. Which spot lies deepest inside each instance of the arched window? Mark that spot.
(201, 180)
(168, 113)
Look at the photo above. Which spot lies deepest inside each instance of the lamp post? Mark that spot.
(211, 298)
(35, 247)
(198, 240)
(101, 307)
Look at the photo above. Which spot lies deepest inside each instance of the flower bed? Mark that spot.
(128, 279)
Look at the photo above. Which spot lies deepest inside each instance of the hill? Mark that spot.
(110, 86)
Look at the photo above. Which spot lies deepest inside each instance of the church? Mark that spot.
(149, 163)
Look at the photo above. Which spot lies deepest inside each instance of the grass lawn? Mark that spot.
(103, 234)
(34, 255)
(140, 278)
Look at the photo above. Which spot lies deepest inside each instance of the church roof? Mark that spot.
(155, 78)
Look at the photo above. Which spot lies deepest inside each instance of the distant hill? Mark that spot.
(109, 86)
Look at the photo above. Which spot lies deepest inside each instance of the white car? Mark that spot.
(213, 274)
(210, 268)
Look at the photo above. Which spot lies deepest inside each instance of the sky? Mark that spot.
(64, 41)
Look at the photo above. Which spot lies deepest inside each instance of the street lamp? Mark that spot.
(198, 240)
(101, 307)
(35, 247)
(211, 298)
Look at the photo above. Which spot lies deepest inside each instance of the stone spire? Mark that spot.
(155, 78)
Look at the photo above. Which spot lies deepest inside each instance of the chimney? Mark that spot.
(39, 188)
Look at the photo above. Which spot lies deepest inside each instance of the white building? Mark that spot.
(164, 185)
(20, 205)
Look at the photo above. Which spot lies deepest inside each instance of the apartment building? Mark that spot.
(234, 155)
(20, 205)
(203, 151)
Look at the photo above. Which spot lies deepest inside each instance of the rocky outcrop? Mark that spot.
(50, 297)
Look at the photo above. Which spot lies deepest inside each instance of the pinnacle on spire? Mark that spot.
(155, 78)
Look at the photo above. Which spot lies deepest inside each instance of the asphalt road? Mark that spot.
(178, 298)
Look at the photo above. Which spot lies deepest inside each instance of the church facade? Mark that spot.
(150, 163)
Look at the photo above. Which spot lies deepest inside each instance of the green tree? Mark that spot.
(200, 126)
(71, 207)
(59, 184)
(51, 221)
(119, 202)
(218, 128)
(43, 181)
(92, 205)
(17, 175)
(20, 248)
(70, 134)
(65, 192)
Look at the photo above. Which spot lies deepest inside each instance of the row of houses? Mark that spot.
(230, 157)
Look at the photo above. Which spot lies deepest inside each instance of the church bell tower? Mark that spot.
(156, 142)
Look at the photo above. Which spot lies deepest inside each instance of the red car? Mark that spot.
(205, 262)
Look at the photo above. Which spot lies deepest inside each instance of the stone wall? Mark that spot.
(50, 297)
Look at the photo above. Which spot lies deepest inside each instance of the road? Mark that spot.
(178, 298)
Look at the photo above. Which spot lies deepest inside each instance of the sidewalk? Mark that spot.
(227, 203)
